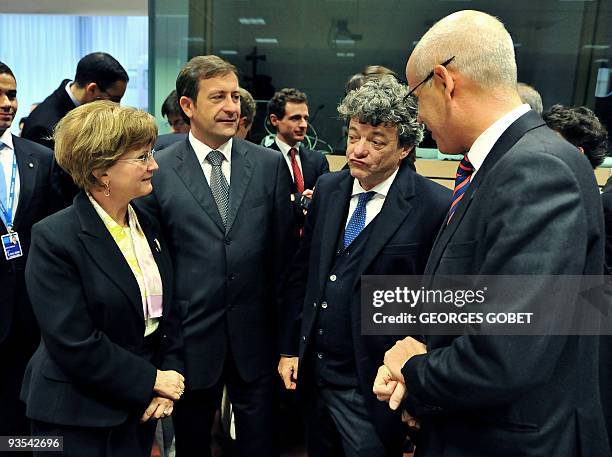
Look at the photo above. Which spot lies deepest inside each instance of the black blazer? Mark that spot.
(36, 201)
(40, 123)
(314, 164)
(607, 207)
(400, 241)
(163, 141)
(226, 278)
(533, 208)
(87, 370)
(39, 127)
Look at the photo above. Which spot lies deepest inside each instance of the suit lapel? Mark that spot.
(153, 238)
(242, 170)
(102, 248)
(333, 225)
(395, 209)
(506, 141)
(28, 168)
(308, 171)
(190, 172)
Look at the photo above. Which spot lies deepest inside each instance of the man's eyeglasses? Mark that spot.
(142, 160)
(429, 76)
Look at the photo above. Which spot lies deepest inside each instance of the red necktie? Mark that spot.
(297, 173)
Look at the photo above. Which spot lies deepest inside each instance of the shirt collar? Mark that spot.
(487, 139)
(7, 139)
(202, 149)
(70, 94)
(284, 147)
(380, 188)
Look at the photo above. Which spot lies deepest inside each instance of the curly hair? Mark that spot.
(384, 101)
(581, 127)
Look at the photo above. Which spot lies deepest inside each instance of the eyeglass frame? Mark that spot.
(142, 160)
(429, 76)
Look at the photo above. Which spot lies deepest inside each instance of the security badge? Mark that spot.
(11, 245)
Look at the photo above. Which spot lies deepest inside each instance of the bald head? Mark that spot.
(482, 47)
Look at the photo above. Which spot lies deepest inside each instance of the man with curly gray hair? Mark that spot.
(377, 217)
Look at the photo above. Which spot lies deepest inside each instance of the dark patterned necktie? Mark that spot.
(218, 183)
(357, 222)
(462, 182)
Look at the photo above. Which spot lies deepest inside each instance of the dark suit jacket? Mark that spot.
(163, 141)
(314, 164)
(19, 334)
(88, 370)
(39, 127)
(400, 241)
(607, 206)
(532, 209)
(228, 278)
(40, 123)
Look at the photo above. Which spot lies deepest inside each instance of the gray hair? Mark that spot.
(530, 96)
(482, 47)
(384, 101)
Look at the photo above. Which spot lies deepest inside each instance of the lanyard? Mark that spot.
(7, 212)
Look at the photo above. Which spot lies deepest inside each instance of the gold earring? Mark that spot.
(106, 189)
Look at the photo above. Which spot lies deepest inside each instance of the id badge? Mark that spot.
(11, 246)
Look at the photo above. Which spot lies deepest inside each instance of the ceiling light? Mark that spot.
(345, 54)
(266, 40)
(252, 20)
(345, 41)
(599, 47)
(228, 52)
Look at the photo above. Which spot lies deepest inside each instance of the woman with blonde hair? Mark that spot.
(100, 280)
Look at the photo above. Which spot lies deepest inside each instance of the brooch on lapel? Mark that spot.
(157, 245)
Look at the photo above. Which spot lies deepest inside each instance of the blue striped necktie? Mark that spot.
(357, 222)
(462, 182)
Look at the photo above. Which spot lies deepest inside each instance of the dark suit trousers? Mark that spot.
(130, 439)
(339, 425)
(254, 406)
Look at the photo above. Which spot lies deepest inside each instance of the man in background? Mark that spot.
(25, 198)
(99, 76)
(288, 114)
(248, 108)
(530, 96)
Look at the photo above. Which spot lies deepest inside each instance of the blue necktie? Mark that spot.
(357, 222)
(3, 194)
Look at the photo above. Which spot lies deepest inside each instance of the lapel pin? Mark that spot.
(157, 246)
(31, 165)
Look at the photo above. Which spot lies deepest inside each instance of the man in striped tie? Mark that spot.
(525, 203)
(377, 217)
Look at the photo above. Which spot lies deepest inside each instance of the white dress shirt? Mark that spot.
(375, 204)
(70, 94)
(202, 151)
(487, 139)
(285, 148)
(6, 162)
